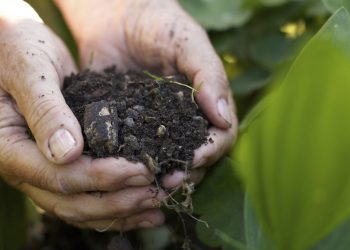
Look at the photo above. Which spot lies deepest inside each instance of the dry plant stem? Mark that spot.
(186, 205)
(91, 58)
(180, 208)
(158, 78)
(106, 228)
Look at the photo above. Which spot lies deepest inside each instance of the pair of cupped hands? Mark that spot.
(133, 35)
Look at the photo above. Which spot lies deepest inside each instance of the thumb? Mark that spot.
(36, 62)
(198, 60)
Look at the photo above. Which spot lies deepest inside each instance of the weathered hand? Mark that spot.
(157, 35)
(52, 171)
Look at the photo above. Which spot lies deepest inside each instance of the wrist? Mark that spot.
(87, 17)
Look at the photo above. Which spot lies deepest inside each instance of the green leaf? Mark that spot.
(257, 240)
(13, 218)
(250, 81)
(219, 201)
(269, 3)
(275, 48)
(217, 14)
(155, 238)
(274, 2)
(334, 5)
(316, 9)
(255, 237)
(293, 158)
(337, 240)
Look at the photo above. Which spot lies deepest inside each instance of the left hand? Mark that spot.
(157, 35)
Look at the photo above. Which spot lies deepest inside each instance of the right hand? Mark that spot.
(52, 171)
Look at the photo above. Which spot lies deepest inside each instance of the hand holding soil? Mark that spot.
(52, 171)
(158, 36)
(138, 116)
(133, 35)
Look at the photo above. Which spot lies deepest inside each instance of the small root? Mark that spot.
(168, 79)
(106, 228)
(91, 58)
(186, 205)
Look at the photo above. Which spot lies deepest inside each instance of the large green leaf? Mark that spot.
(219, 201)
(13, 218)
(338, 240)
(254, 234)
(257, 240)
(293, 157)
(217, 14)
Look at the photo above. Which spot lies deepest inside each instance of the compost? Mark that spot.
(139, 116)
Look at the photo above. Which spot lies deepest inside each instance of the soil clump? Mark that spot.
(137, 116)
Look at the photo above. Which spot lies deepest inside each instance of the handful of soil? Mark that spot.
(137, 116)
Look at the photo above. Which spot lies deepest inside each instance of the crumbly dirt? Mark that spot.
(137, 116)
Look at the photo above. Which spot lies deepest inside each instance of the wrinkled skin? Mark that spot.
(135, 34)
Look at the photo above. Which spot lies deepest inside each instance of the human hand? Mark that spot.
(157, 35)
(52, 171)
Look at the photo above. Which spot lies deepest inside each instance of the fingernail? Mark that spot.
(61, 142)
(146, 224)
(224, 111)
(139, 180)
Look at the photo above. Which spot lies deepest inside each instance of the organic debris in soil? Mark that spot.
(137, 116)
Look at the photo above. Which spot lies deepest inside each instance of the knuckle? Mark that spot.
(6, 152)
(122, 207)
(60, 184)
(103, 179)
(43, 178)
(40, 178)
(42, 109)
(68, 215)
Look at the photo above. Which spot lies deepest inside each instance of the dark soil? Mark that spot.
(137, 116)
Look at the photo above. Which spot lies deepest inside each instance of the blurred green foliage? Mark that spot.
(218, 15)
(13, 218)
(223, 212)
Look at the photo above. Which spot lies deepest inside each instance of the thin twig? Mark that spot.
(167, 79)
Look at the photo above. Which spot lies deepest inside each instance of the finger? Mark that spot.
(197, 175)
(177, 178)
(36, 63)
(208, 154)
(173, 179)
(220, 143)
(197, 59)
(148, 219)
(22, 161)
(84, 174)
(80, 208)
